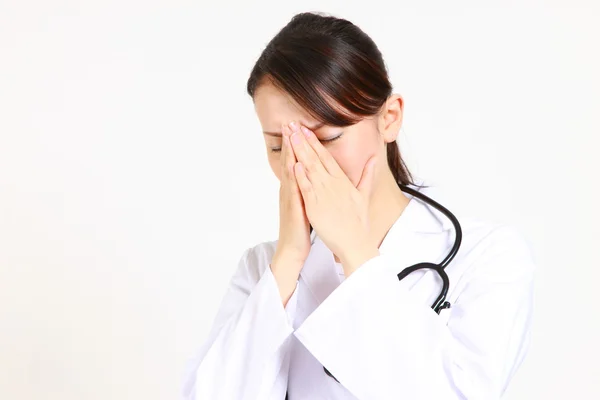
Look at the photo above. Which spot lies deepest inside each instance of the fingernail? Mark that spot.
(305, 130)
(294, 126)
(295, 138)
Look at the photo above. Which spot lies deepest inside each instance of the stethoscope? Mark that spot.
(440, 303)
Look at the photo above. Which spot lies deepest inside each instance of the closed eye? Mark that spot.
(324, 141)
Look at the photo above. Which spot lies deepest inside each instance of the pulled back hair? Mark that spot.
(333, 70)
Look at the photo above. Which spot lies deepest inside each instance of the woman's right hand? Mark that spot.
(293, 245)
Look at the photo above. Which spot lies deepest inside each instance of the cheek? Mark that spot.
(353, 158)
(352, 166)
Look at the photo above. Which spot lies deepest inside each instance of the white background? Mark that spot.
(133, 172)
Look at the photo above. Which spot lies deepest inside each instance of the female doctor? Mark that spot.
(321, 313)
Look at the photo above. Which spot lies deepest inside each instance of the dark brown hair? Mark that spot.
(333, 70)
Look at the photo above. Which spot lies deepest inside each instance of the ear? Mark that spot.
(390, 118)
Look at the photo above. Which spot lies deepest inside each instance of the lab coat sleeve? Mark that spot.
(246, 353)
(380, 342)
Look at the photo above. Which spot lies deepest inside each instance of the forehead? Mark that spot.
(274, 107)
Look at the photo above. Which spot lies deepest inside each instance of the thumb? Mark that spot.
(366, 180)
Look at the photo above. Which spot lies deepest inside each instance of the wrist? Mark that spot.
(286, 268)
(287, 260)
(353, 259)
(286, 276)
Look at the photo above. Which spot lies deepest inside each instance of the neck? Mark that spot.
(385, 207)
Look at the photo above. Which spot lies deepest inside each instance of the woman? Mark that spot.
(322, 314)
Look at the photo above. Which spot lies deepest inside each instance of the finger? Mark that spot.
(288, 158)
(306, 155)
(284, 155)
(292, 181)
(305, 185)
(324, 155)
(288, 165)
(365, 185)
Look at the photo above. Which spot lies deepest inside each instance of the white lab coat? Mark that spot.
(377, 335)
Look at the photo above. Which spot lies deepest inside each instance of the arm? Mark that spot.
(246, 346)
(379, 341)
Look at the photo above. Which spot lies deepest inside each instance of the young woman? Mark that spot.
(322, 314)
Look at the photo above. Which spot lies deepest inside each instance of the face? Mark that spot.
(351, 146)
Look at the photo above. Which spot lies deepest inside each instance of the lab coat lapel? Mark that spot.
(420, 234)
(403, 245)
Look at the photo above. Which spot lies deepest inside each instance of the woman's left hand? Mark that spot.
(337, 210)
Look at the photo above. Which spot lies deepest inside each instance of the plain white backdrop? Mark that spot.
(133, 172)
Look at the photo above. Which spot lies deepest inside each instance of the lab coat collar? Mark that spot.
(416, 218)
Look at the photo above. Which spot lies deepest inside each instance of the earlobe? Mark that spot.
(393, 135)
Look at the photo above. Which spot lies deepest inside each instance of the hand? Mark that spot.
(337, 210)
(293, 245)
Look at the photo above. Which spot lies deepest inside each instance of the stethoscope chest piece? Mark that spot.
(440, 303)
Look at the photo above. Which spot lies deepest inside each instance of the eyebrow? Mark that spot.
(314, 128)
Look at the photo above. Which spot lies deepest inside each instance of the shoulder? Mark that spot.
(256, 259)
(501, 251)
